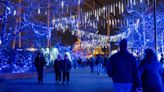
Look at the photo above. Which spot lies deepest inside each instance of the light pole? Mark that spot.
(155, 26)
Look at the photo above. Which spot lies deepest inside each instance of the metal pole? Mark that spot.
(19, 19)
(4, 25)
(155, 27)
(144, 31)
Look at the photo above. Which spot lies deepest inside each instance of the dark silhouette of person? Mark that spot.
(99, 62)
(92, 63)
(151, 73)
(162, 62)
(123, 69)
(66, 67)
(105, 60)
(39, 64)
(79, 61)
(58, 68)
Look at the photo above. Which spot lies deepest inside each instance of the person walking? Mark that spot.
(162, 63)
(58, 68)
(99, 62)
(66, 67)
(123, 70)
(105, 60)
(39, 64)
(151, 73)
(92, 63)
(79, 61)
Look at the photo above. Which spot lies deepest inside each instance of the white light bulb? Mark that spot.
(9, 10)
(116, 4)
(79, 2)
(119, 7)
(0, 41)
(104, 8)
(141, 1)
(62, 4)
(148, 2)
(114, 12)
(15, 12)
(39, 11)
(53, 21)
(134, 3)
(111, 9)
(122, 8)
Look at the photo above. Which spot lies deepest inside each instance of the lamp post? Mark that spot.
(48, 29)
(155, 26)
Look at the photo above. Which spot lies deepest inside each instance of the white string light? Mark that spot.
(131, 3)
(111, 8)
(134, 3)
(15, 12)
(148, 2)
(62, 4)
(39, 11)
(128, 3)
(45, 12)
(114, 9)
(122, 7)
(116, 4)
(119, 6)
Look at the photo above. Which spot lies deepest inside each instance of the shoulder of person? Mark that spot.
(54, 61)
(69, 61)
(143, 62)
(114, 55)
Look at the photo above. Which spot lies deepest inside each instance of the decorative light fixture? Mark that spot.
(15, 12)
(39, 11)
(141, 1)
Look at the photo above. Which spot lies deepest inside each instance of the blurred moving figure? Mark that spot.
(39, 64)
(105, 60)
(66, 67)
(79, 61)
(151, 73)
(58, 68)
(99, 63)
(92, 64)
(123, 70)
(162, 63)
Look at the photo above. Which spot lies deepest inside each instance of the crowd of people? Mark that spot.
(96, 63)
(61, 67)
(129, 74)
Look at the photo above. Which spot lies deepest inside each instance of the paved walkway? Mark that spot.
(81, 81)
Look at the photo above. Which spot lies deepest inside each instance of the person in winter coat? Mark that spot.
(162, 63)
(92, 64)
(151, 73)
(39, 64)
(58, 68)
(66, 67)
(79, 61)
(123, 70)
(105, 60)
(99, 62)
